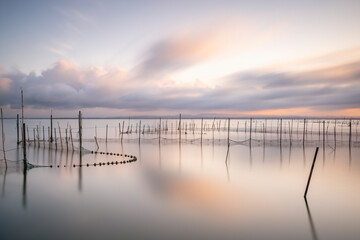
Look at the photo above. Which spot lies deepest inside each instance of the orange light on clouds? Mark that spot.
(293, 112)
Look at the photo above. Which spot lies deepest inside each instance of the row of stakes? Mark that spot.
(132, 159)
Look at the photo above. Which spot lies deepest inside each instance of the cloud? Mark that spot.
(331, 88)
(183, 50)
(150, 87)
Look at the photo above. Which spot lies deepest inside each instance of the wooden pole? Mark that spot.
(61, 144)
(66, 140)
(228, 138)
(139, 131)
(264, 133)
(324, 133)
(71, 138)
(97, 145)
(255, 125)
(51, 127)
(291, 131)
(311, 171)
(193, 127)
(122, 131)
(280, 130)
(335, 134)
(180, 127)
(349, 132)
(3, 136)
(17, 129)
(159, 130)
(80, 130)
(22, 106)
(201, 130)
(265, 125)
(38, 135)
(304, 132)
(55, 138)
(250, 128)
(106, 133)
(24, 142)
(27, 129)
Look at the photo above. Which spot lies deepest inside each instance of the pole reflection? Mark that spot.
(227, 163)
(80, 172)
(24, 199)
(311, 222)
(4, 183)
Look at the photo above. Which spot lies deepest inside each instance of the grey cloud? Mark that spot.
(66, 87)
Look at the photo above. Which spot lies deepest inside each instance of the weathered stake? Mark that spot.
(55, 138)
(201, 130)
(159, 130)
(17, 129)
(139, 131)
(38, 135)
(350, 132)
(3, 136)
(324, 133)
(311, 171)
(71, 138)
(51, 128)
(280, 130)
(80, 130)
(250, 128)
(43, 132)
(66, 139)
(106, 133)
(27, 130)
(34, 136)
(180, 127)
(97, 145)
(60, 136)
(335, 134)
(22, 106)
(304, 132)
(122, 131)
(24, 142)
(228, 138)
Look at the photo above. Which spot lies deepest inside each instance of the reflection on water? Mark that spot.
(80, 171)
(183, 189)
(25, 169)
(312, 226)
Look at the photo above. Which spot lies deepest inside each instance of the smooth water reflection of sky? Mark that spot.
(184, 191)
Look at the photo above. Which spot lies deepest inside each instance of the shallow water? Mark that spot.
(178, 190)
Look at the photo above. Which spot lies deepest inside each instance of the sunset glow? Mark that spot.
(142, 58)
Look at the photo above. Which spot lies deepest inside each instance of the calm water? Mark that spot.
(183, 190)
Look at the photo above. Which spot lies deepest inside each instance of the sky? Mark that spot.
(159, 58)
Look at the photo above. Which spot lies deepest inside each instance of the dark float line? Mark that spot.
(132, 159)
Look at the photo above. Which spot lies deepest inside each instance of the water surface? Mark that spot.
(182, 189)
